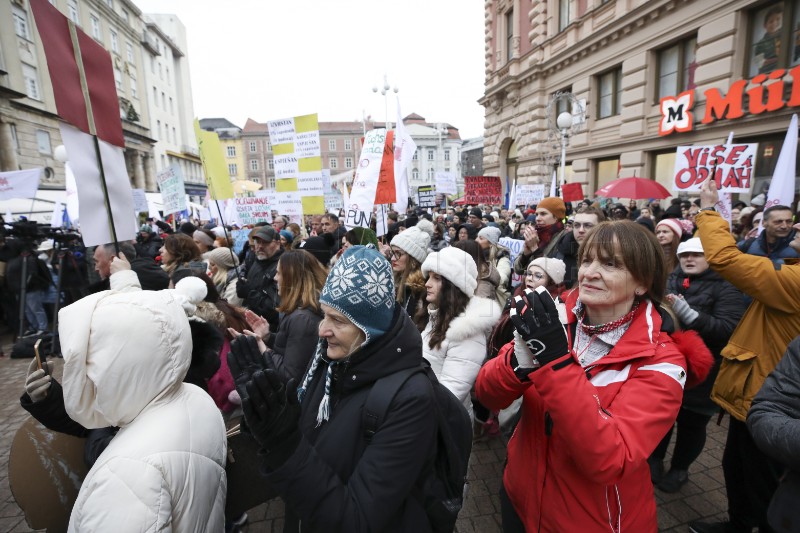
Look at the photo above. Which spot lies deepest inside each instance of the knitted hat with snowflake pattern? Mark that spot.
(361, 287)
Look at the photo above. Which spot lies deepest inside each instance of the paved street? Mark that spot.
(702, 497)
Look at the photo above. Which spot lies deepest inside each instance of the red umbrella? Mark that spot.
(634, 188)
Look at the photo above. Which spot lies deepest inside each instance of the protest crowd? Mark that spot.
(584, 334)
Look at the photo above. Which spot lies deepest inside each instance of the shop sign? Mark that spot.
(677, 115)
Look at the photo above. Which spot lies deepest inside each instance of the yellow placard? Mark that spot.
(217, 176)
(286, 185)
(309, 164)
(306, 123)
(283, 149)
(313, 205)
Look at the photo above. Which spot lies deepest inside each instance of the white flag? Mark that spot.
(404, 149)
(19, 183)
(553, 184)
(512, 197)
(95, 224)
(781, 190)
(723, 205)
(358, 211)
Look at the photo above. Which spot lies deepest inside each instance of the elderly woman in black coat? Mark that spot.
(708, 304)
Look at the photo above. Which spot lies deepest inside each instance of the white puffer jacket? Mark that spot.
(458, 359)
(126, 352)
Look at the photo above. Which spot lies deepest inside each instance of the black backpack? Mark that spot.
(444, 487)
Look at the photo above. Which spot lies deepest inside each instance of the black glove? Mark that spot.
(272, 412)
(535, 319)
(244, 360)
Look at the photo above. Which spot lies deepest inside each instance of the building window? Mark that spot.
(72, 11)
(254, 164)
(269, 145)
(20, 22)
(509, 35)
(163, 101)
(609, 87)
(158, 124)
(415, 174)
(231, 151)
(129, 53)
(607, 171)
(171, 108)
(95, 23)
(43, 142)
(110, 4)
(270, 164)
(563, 14)
(174, 135)
(125, 16)
(334, 163)
(232, 169)
(271, 182)
(415, 156)
(774, 43)
(14, 139)
(332, 145)
(114, 41)
(348, 162)
(665, 168)
(252, 147)
(447, 155)
(431, 173)
(134, 91)
(430, 155)
(31, 82)
(155, 97)
(118, 79)
(169, 80)
(676, 67)
(348, 144)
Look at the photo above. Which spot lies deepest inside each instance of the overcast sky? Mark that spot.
(269, 59)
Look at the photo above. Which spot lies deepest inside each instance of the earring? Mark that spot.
(637, 292)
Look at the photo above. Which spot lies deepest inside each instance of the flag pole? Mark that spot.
(73, 33)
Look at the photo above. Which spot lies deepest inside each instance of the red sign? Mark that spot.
(572, 192)
(482, 190)
(676, 115)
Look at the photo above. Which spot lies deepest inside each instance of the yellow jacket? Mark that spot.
(768, 325)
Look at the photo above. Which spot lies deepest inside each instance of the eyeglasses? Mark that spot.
(583, 225)
(398, 254)
(538, 276)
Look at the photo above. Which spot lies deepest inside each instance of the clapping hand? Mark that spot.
(537, 329)
(258, 324)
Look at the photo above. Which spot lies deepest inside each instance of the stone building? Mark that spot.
(611, 64)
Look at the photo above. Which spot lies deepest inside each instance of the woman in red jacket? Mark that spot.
(598, 395)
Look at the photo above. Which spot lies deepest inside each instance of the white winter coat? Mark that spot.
(458, 359)
(126, 352)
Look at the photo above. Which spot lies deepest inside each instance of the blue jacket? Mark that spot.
(778, 252)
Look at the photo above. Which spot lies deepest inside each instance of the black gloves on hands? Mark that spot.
(271, 407)
(537, 325)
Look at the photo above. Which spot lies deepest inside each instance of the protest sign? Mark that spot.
(731, 164)
(173, 193)
(253, 209)
(358, 211)
(529, 194)
(140, 201)
(289, 204)
(515, 247)
(426, 196)
(482, 190)
(446, 183)
(297, 162)
(572, 192)
(239, 237)
(19, 183)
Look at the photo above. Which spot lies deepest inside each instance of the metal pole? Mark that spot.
(563, 157)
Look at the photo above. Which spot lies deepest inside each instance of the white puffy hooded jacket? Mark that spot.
(126, 352)
(457, 361)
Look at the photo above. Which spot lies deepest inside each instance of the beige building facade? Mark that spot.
(611, 64)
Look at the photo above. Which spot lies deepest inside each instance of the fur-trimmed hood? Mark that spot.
(481, 315)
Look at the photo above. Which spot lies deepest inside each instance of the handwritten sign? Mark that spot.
(239, 237)
(731, 164)
(426, 196)
(446, 183)
(529, 194)
(253, 209)
(482, 189)
(140, 201)
(515, 247)
(173, 193)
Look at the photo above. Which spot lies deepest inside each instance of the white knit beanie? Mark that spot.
(555, 268)
(455, 265)
(413, 241)
(490, 233)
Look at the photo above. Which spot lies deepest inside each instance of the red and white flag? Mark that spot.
(77, 63)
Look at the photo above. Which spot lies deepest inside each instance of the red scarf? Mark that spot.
(546, 233)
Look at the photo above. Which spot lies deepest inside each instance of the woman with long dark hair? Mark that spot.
(455, 322)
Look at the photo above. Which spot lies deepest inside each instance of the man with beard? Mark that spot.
(259, 291)
(543, 240)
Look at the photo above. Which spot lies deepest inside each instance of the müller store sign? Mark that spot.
(677, 115)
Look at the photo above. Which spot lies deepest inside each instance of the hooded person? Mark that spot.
(165, 468)
(312, 438)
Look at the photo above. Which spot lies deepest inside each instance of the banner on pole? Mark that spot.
(218, 177)
(19, 183)
(358, 211)
(731, 164)
(482, 190)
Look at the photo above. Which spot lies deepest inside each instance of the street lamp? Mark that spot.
(384, 91)
(564, 123)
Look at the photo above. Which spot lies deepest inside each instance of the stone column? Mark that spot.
(149, 173)
(138, 170)
(8, 155)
